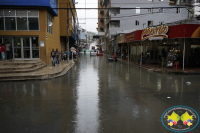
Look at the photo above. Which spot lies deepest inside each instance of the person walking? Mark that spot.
(57, 57)
(53, 53)
(2, 52)
(8, 48)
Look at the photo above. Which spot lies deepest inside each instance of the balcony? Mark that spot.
(106, 2)
(102, 20)
(180, 2)
(102, 29)
(101, 33)
(101, 2)
(102, 11)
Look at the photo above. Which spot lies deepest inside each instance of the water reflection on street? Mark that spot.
(96, 96)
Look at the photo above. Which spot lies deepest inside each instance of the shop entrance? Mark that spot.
(23, 48)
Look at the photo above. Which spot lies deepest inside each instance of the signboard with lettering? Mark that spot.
(155, 33)
(130, 37)
(120, 39)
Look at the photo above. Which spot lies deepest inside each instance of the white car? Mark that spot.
(93, 52)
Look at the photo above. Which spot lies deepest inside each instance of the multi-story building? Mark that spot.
(35, 27)
(196, 8)
(72, 15)
(101, 24)
(141, 14)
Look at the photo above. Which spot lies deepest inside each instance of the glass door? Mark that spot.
(17, 47)
(35, 48)
(26, 48)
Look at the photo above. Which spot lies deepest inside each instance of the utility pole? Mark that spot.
(67, 39)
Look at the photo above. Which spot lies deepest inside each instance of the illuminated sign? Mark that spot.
(155, 33)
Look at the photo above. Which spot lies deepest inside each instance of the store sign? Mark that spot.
(120, 39)
(130, 37)
(155, 33)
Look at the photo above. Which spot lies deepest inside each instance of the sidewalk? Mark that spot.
(46, 72)
(159, 69)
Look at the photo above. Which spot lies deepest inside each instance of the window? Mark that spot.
(33, 20)
(10, 23)
(136, 22)
(21, 23)
(33, 23)
(149, 10)
(137, 10)
(19, 20)
(49, 20)
(150, 23)
(178, 10)
(21, 13)
(9, 13)
(1, 23)
(115, 23)
(161, 10)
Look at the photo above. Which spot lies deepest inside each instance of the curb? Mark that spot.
(161, 70)
(41, 77)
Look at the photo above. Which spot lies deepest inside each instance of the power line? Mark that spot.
(21, 7)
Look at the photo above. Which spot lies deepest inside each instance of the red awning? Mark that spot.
(176, 31)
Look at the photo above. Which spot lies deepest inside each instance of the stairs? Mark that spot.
(14, 66)
(13, 70)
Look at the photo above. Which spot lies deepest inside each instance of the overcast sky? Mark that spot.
(91, 24)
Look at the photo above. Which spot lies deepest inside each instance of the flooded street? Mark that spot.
(96, 96)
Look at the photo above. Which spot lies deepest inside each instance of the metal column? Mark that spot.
(184, 55)
(141, 56)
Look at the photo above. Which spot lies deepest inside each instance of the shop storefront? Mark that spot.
(167, 45)
(23, 48)
(120, 43)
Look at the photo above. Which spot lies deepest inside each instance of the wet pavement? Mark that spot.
(96, 96)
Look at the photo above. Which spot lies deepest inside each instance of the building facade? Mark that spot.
(31, 27)
(144, 13)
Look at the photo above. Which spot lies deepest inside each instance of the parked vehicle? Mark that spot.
(99, 53)
(93, 52)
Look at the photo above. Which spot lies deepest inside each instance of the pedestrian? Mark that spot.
(53, 53)
(114, 57)
(57, 57)
(74, 54)
(62, 56)
(66, 52)
(8, 50)
(2, 52)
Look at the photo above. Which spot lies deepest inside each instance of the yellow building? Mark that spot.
(33, 30)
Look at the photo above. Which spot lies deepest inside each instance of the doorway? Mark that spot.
(25, 48)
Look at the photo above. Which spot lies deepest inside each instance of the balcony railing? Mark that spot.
(102, 28)
(102, 20)
(102, 11)
(180, 2)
